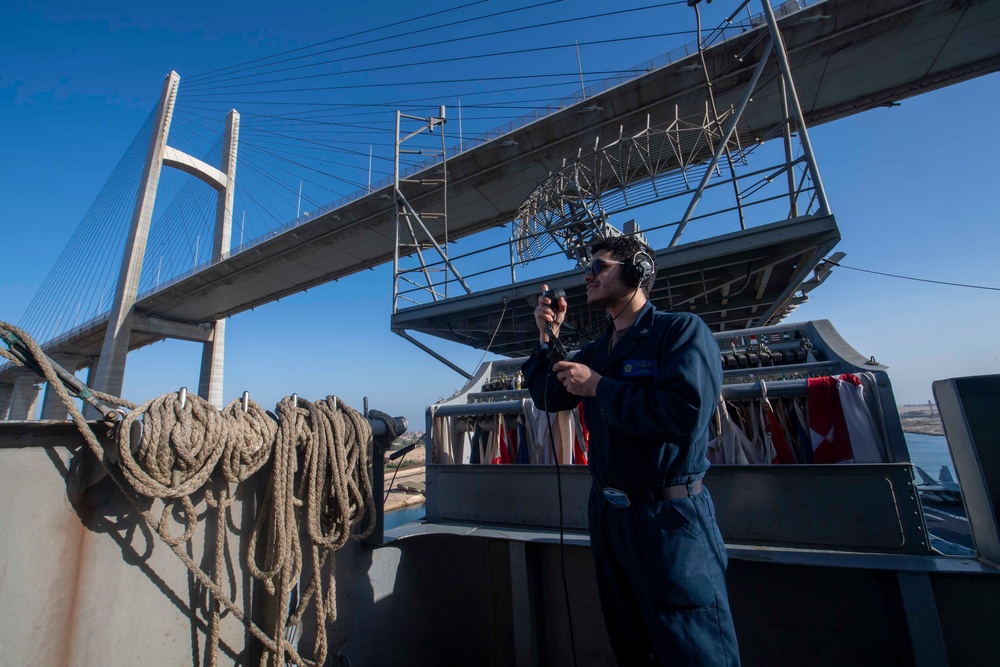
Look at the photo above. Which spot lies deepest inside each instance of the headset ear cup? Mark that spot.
(632, 274)
(640, 269)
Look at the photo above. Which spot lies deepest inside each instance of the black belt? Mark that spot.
(620, 499)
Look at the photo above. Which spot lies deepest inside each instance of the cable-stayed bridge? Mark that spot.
(846, 57)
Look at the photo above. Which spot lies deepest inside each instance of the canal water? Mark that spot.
(930, 453)
(397, 518)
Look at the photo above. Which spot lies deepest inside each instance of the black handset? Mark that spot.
(557, 351)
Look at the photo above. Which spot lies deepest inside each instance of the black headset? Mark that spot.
(639, 269)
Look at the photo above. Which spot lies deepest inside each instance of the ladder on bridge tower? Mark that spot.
(421, 216)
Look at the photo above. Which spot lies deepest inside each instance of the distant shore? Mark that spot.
(408, 486)
(920, 419)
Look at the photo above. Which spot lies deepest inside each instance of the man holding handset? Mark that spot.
(649, 387)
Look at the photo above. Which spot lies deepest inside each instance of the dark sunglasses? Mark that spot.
(598, 265)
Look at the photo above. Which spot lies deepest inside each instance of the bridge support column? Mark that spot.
(24, 400)
(111, 367)
(52, 406)
(213, 359)
(6, 391)
(213, 356)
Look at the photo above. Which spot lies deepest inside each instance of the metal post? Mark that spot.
(403, 209)
(513, 275)
(111, 367)
(444, 196)
(696, 197)
(715, 117)
(413, 212)
(403, 334)
(210, 383)
(786, 131)
(786, 73)
(395, 205)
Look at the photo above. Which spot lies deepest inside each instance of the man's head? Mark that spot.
(631, 264)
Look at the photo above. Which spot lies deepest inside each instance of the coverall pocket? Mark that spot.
(674, 548)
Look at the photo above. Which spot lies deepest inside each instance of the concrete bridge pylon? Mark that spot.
(213, 356)
(24, 398)
(6, 393)
(110, 370)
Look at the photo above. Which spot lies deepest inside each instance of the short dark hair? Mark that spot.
(624, 249)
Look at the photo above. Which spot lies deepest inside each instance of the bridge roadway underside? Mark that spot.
(847, 56)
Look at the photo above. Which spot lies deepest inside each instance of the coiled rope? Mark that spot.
(184, 443)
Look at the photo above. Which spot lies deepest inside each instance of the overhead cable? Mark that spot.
(356, 34)
(920, 280)
(106, 219)
(462, 95)
(288, 156)
(436, 43)
(482, 79)
(497, 54)
(408, 33)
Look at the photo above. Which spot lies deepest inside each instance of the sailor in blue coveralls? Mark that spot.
(649, 387)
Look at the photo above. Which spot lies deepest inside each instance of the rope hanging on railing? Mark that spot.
(325, 447)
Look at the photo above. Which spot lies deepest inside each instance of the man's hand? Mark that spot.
(579, 380)
(547, 312)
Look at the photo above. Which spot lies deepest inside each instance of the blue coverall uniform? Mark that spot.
(660, 563)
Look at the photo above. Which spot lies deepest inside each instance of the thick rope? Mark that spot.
(224, 502)
(182, 445)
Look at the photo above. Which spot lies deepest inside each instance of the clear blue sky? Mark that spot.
(912, 187)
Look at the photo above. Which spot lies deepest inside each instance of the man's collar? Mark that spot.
(641, 326)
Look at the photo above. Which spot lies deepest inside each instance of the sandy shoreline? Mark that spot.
(919, 419)
(407, 490)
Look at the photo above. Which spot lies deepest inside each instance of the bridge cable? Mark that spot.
(442, 97)
(74, 267)
(356, 34)
(201, 81)
(294, 192)
(274, 165)
(482, 79)
(438, 43)
(496, 54)
(86, 242)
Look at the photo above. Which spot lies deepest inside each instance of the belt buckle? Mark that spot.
(616, 498)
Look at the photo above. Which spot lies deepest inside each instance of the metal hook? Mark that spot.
(183, 396)
(246, 401)
(295, 400)
(763, 395)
